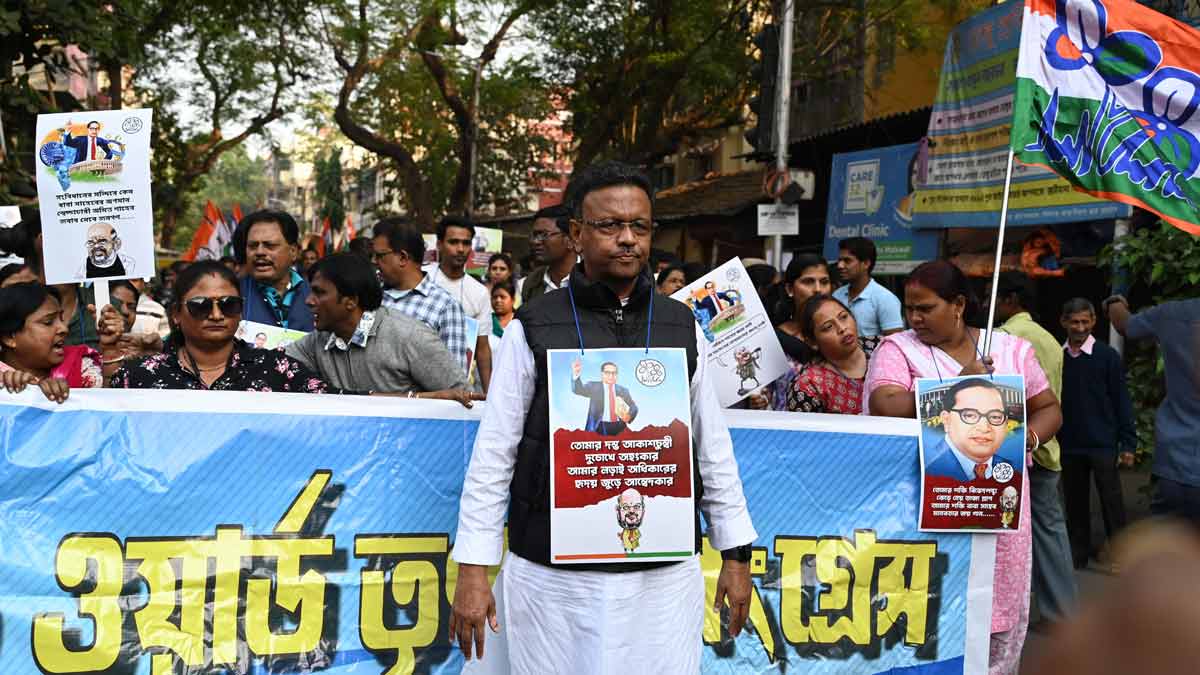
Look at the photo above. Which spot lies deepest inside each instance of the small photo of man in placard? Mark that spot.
(103, 259)
(610, 406)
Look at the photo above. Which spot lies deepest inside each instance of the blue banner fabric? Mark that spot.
(167, 532)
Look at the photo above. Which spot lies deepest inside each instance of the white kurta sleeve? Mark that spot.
(723, 504)
(484, 503)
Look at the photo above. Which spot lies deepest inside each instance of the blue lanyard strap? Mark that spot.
(579, 332)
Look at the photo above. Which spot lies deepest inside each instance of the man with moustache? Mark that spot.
(976, 425)
(104, 257)
(267, 244)
(598, 621)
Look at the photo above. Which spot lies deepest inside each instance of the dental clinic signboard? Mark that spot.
(871, 195)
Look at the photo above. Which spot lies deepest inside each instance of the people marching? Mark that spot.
(386, 321)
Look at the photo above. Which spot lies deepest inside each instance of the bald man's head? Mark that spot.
(631, 509)
(102, 244)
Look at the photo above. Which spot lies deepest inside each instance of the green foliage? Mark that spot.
(237, 178)
(412, 100)
(641, 77)
(1162, 264)
(329, 196)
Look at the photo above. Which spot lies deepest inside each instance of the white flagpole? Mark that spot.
(987, 339)
(100, 297)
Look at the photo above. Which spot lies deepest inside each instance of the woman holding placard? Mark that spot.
(34, 349)
(937, 298)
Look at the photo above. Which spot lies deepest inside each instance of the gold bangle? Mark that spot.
(109, 362)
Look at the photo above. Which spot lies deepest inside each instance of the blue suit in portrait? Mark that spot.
(595, 392)
(944, 463)
(80, 143)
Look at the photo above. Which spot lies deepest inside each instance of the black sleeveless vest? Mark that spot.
(549, 324)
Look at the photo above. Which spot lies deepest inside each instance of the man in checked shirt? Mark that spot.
(398, 249)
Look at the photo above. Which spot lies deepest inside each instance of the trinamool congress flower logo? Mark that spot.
(1170, 96)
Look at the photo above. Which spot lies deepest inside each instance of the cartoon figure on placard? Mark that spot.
(717, 309)
(631, 510)
(92, 146)
(1008, 506)
(611, 408)
(976, 424)
(702, 319)
(260, 341)
(103, 254)
(66, 153)
(746, 366)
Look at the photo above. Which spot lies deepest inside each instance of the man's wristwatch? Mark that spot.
(737, 553)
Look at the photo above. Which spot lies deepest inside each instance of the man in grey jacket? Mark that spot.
(361, 346)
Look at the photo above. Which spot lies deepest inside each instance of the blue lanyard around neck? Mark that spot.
(579, 332)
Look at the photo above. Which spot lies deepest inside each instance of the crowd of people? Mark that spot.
(379, 321)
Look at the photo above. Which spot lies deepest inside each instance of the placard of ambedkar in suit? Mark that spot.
(972, 452)
(93, 179)
(620, 455)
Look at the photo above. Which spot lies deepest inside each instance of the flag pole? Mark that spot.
(987, 339)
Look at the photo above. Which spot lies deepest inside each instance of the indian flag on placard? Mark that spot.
(1108, 97)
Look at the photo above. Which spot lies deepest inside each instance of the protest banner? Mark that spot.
(731, 315)
(214, 531)
(972, 452)
(487, 241)
(266, 336)
(871, 194)
(962, 184)
(94, 195)
(620, 456)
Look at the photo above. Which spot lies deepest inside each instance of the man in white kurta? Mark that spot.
(554, 619)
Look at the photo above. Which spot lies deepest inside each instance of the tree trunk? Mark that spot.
(166, 225)
(113, 69)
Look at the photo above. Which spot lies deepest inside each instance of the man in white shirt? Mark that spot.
(591, 618)
(454, 237)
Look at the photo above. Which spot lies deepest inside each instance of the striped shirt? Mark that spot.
(432, 304)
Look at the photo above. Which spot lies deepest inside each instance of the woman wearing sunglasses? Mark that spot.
(202, 352)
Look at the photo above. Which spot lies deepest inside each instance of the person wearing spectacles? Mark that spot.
(976, 425)
(553, 253)
(203, 352)
(608, 303)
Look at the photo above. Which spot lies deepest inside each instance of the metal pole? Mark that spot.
(1120, 282)
(783, 107)
(470, 209)
(987, 339)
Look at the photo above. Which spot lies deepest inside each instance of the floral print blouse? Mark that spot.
(249, 369)
(820, 387)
